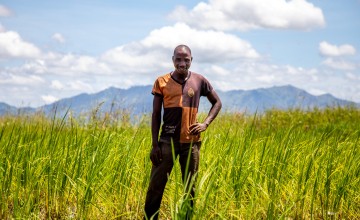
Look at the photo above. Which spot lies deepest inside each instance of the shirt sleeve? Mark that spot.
(156, 90)
(206, 87)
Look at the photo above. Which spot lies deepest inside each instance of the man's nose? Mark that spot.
(182, 64)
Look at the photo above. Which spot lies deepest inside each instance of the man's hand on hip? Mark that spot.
(197, 128)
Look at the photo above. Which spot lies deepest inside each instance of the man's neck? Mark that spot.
(181, 77)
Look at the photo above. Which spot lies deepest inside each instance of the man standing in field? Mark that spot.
(179, 92)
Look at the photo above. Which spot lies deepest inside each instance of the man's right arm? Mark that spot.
(155, 155)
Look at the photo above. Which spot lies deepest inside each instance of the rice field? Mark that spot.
(291, 164)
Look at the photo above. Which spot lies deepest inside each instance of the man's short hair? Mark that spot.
(181, 46)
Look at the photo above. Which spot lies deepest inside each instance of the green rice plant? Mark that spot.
(291, 164)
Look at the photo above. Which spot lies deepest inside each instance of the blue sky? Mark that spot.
(56, 49)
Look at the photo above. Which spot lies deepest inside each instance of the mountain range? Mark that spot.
(138, 100)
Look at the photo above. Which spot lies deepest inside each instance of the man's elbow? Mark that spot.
(217, 104)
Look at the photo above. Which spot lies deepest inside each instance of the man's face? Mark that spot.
(182, 60)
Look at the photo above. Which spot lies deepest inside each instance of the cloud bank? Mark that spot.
(35, 75)
(244, 15)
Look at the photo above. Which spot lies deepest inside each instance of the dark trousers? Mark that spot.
(189, 162)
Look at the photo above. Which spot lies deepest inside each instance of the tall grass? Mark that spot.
(278, 165)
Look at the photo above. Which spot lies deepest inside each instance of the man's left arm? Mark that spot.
(215, 109)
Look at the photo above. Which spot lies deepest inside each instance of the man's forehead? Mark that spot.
(182, 50)
(182, 53)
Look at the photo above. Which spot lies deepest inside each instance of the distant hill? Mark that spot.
(138, 100)
(8, 109)
(279, 97)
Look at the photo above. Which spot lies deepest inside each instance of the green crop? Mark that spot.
(290, 164)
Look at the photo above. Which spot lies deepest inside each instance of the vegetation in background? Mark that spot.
(278, 165)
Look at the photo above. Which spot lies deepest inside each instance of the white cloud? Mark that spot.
(136, 63)
(211, 46)
(133, 57)
(330, 50)
(66, 65)
(339, 64)
(225, 59)
(56, 84)
(245, 15)
(80, 86)
(13, 46)
(48, 99)
(253, 75)
(58, 37)
(4, 11)
(352, 76)
(156, 49)
(2, 29)
(37, 66)
(77, 64)
(13, 79)
(266, 78)
(219, 71)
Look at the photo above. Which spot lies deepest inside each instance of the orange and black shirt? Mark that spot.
(181, 102)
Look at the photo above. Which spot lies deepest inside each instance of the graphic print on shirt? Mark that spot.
(190, 92)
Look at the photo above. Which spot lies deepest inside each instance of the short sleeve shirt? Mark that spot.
(181, 102)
